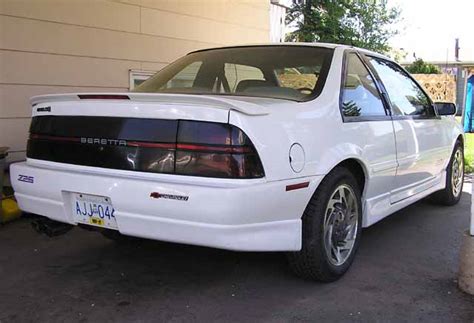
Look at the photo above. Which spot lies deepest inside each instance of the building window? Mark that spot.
(137, 77)
(277, 19)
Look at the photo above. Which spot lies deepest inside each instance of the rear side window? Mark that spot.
(360, 96)
(406, 96)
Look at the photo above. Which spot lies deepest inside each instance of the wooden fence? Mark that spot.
(440, 87)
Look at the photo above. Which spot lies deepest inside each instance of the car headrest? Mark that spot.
(246, 84)
(352, 81)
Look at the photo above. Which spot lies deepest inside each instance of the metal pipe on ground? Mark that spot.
(466, 263)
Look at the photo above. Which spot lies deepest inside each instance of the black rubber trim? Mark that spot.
(150, 130)
(367, 118)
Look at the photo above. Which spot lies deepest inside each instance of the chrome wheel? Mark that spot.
(341, 223)
(457, 172)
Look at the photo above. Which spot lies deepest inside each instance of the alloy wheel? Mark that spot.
(341, 224)
(457, 172)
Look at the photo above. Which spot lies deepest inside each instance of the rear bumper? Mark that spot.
(247, 215)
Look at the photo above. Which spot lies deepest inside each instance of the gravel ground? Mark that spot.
(405, 270)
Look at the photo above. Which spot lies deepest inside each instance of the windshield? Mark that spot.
(284, 72)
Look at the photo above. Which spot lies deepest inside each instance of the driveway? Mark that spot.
(405, 271)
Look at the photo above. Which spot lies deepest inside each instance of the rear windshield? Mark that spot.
(284, 72)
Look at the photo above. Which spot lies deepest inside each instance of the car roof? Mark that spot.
(315, 44)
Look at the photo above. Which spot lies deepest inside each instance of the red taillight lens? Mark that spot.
(181, 147)
(103, 97)
(215, 150)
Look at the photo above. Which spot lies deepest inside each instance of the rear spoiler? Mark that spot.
(189, 99)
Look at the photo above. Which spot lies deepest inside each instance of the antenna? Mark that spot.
(456, 49)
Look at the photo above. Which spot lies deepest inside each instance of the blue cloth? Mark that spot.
(468, 115)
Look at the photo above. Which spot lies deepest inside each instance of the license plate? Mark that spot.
(93, 210)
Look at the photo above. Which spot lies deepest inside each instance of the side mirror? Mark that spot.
(445, 108)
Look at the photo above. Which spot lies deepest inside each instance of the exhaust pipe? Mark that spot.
(50, 227)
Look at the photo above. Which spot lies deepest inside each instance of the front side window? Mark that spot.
(284, 72)
(406, 96)
(360, 96)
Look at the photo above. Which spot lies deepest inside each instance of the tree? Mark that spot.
(419, 66)
(399, 55)
(360, 23)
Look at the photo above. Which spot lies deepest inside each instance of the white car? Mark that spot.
(281, 147)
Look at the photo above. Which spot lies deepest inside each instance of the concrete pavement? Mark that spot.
(405, 271)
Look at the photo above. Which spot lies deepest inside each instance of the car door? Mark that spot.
(422, 139)
(367, 123)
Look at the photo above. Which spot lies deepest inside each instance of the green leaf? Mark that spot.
(362, 23)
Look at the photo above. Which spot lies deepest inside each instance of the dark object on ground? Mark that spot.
(49, 227)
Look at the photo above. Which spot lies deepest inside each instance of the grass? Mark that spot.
(469, 153)
(468, 150)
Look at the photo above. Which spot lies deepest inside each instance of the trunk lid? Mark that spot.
(173, 134)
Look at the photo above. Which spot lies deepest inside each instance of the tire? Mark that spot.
(451, 194)
(314, 261)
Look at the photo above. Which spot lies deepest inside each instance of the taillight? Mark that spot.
(193, 148)
(215, 150)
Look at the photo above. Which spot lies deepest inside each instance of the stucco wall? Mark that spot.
(53, 46)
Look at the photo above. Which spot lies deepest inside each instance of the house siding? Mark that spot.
(59, 46)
